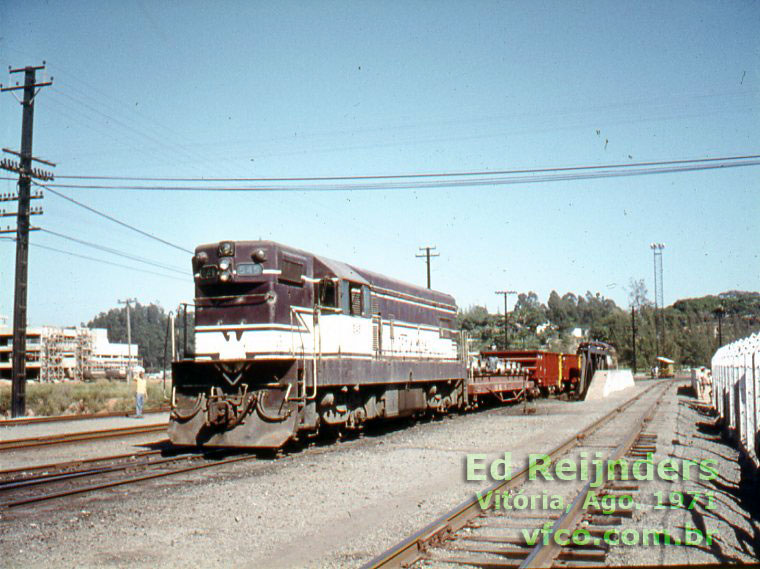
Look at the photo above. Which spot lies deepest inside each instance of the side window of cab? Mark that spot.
(354, 299)
(327, 293)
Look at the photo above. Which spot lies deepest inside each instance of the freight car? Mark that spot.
(513, 374)
(288, 343)
(497, 378)
(549, 372)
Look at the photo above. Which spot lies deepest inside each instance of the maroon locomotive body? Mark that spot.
(287, 342)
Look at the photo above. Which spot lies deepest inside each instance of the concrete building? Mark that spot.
(107, 359)
(54, 354)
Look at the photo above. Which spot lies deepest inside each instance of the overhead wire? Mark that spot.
(116, 252)
(551, 175)
(129, 112)
(113, 219)
(103, 261)
(157, 133)
(124, 125)
(419, 175)
(83, 120)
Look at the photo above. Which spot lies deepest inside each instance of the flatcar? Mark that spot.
(549, 372)
(288, 343)
(509, 375)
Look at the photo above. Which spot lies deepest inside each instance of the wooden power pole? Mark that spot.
(25, 174)
(427, 256)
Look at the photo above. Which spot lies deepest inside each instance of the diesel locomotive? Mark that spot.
(288, 343)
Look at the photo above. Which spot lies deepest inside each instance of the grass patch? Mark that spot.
(73, 397)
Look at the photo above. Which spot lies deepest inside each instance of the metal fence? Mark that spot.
(736, 390)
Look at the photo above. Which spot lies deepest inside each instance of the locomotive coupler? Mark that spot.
(227, 411)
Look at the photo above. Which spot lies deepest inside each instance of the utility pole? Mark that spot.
(25, 171)
(169, 330)
(720, 312)
(659, 335)
(506, 293)
(427, 256)
(174, 347)
(129, 338)
(633, 335)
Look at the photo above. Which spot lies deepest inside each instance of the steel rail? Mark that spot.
(409, 551)
(13, 444)
(63, 476)
(105, 485)
(545, 553)
(66, 468)
(56, 418)
(78, 462)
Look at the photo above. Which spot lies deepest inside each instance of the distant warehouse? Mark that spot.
(55, 354)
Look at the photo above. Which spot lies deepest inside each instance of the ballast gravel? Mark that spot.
(727, 506)
(329, 506)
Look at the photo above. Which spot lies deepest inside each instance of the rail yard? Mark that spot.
(328, 411)
(376, 285)
(378, 500)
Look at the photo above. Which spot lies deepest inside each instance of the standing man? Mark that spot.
(140, 392)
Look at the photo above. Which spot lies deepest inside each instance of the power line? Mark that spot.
(415, 175)
(110, 218)
(116, 252)
(123, 124)
(500, 180)
(95, 259)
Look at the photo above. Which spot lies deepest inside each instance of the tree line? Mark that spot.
(691, 327)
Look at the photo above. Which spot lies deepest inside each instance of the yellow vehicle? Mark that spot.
(664, 368)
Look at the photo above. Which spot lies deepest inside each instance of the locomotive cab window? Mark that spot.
(366, 301)
(327, 293)
(356, 299)
(445, 328)
(352, 298)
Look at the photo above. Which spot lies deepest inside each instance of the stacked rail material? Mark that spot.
(506, 381)
(550, 371)
(736, 392)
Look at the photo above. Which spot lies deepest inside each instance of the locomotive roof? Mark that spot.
(355, 274)
(342, 270)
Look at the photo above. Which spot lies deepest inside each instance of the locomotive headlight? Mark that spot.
(226, 249)
(224, 276)
(259, 256)
(224, 264)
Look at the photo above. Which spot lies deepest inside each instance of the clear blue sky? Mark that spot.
(349, 88)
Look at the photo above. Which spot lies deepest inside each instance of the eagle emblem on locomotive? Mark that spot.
(288, 343)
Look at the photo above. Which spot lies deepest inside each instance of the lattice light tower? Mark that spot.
(659, 303)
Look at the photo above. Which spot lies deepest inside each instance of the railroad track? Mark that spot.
(484, 533)
(81, 436)
(39, 484)
(56, 418)
(29, 485)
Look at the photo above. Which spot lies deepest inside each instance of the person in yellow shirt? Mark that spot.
(141, 391)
